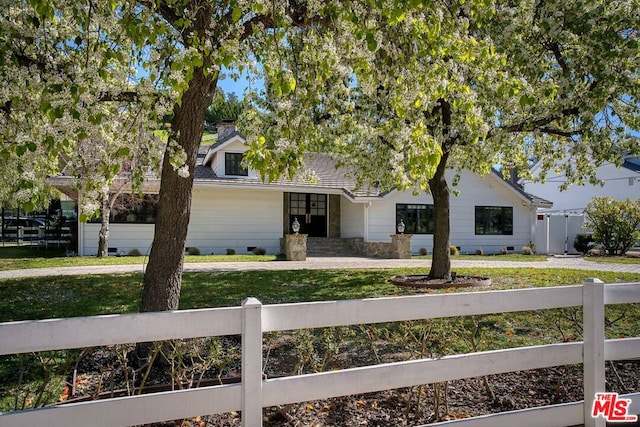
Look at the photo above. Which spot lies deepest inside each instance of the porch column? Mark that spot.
(295, 247)
(401, 246)
(365, 235)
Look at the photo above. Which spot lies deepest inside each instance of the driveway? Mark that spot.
(327, 263)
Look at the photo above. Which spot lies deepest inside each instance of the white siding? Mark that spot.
(221, 218)
(620, 183)
(474, 191)
(235, 218)
(123, 237)
(352, 217)
(238, 218)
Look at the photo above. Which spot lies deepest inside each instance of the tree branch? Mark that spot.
(6, 108)
(163, 9)
(297, 13)
(128, 96)
(560, 132)
(531, 125)
(555, 49)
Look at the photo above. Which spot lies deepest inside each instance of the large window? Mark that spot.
(132, 209)
(418, 219)
(496, 220)
(233, 165)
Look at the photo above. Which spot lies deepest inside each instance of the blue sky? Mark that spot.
(240, 86)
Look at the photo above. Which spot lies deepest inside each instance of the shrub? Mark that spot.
(532, 245)
(479, 251)
(423, 251)
(614, 223)
(193, 251)
(453, 250)
(527, 250)
(134, 252)
(259, 251)
(583, 243)
(231, 251)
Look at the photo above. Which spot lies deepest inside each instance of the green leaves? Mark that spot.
(288, 85)
(372, 43)
(527, 100)
(614, 223)
(43, 8)
(236, 14)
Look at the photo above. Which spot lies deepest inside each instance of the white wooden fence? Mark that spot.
(253, 319)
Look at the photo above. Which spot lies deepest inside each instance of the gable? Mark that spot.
(224, 158)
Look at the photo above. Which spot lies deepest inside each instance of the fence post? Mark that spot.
(251, 363)
(593, 347)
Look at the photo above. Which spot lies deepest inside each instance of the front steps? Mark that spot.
(330, 247)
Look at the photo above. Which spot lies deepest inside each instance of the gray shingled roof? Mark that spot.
(632, 163)
(328, 177)
(324, 167)
(537, 201)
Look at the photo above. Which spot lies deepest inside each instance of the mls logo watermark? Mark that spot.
(612, 408)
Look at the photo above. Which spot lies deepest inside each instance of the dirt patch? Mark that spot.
(456, 400)
(423, 281)
(407, 406)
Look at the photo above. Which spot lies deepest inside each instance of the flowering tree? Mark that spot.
(399, 89)
(72, 101)
(410, 92)
(87, 59)
(116, 159)
(24, 182)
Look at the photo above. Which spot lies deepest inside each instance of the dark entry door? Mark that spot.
(311, 212)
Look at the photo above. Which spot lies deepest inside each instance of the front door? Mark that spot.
(311, 212)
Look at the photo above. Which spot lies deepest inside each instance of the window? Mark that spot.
(494, 220)
(132, 209)
(418, 219)
(233, 165)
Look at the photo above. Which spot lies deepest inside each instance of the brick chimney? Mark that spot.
(225, 127)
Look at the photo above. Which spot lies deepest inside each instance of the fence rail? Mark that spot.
(253, 319)
(36, 236)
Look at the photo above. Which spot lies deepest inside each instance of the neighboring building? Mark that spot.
(619, 182)
(558, 226)
(233, 208)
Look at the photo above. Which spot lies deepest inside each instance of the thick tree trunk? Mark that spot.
(103, 234)
(441, 262)
(163, 275)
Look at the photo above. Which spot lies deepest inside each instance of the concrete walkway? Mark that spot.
(322, 263)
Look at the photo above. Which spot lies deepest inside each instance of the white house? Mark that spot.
(619, 182)
(233, 208)
(558, 226)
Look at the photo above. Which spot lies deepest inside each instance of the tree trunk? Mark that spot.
(103, 234)
(163, 275)
(441, 262)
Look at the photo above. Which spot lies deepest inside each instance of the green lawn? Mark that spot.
(23, 257)
(615, 259)
(49, 297)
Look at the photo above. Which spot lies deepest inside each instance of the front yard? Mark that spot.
(31, 380)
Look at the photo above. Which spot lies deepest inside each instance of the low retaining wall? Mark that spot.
(398, 248)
